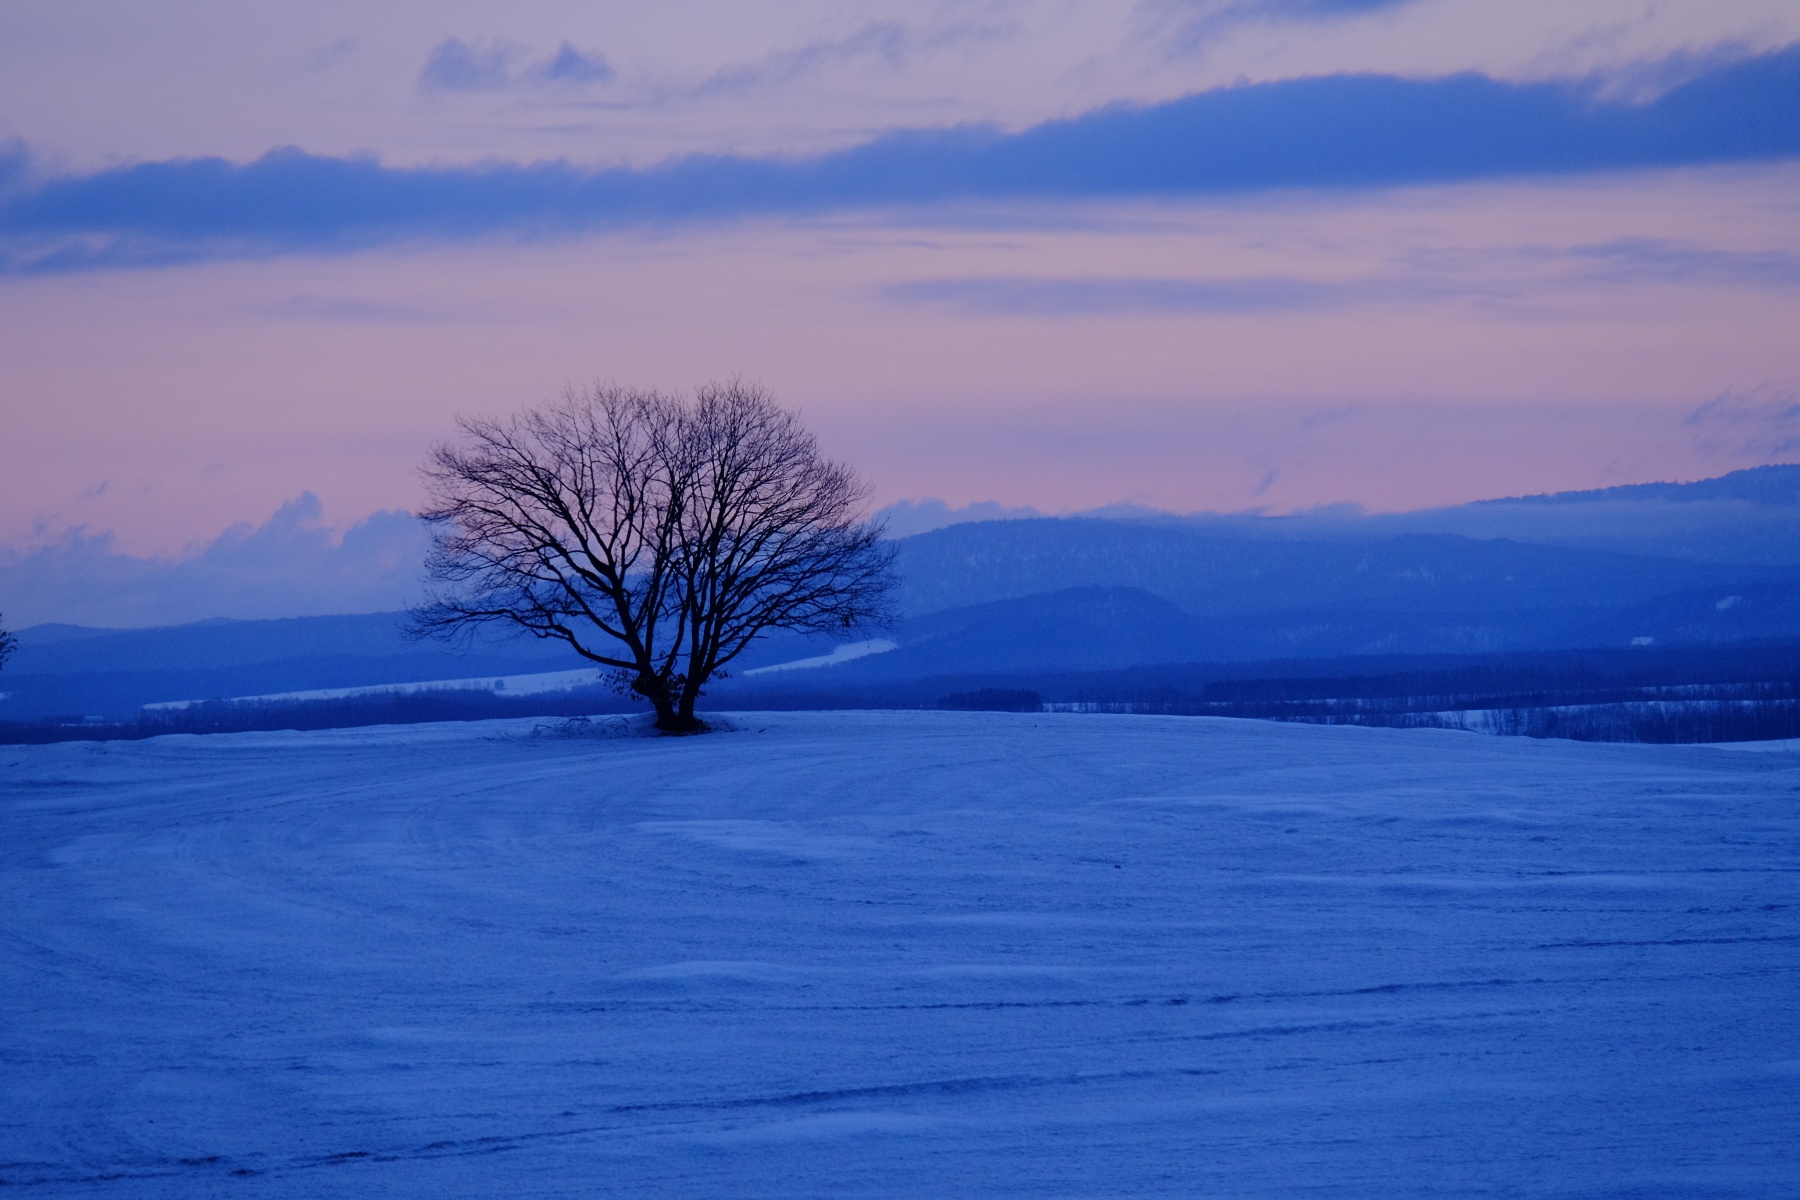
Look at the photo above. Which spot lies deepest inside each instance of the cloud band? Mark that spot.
(1352, 131)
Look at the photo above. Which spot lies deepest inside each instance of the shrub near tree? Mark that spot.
(657, 536)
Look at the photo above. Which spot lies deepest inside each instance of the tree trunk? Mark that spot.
(684, 712)
(656, 692)
(670, 720)
(673, 714)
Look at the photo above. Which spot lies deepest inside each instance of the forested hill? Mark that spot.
(1774, 485)
(1207, 573)
(1750, 516)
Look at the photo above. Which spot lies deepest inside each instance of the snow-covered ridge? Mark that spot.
(848, 652)
(527, 684)
(510, 685)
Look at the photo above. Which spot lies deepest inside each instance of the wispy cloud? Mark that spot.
(1631, 260)
(1022, 296)
(1275, 10)
(1489, 276)
(886, 41)
(1758, 424)
(343, 311)
(1339, 132)
(1185, 26)
(323, 58)
(456, 66)
(569, 65)
(1642, 80)
(15, 167)
(497, 65)
(891, 43)
(904, 518)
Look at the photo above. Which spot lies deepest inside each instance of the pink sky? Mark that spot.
(1460, 341)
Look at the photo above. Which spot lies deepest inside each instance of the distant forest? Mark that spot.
(1743, 692)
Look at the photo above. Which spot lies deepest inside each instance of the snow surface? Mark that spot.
(848, 652)
(921, 954)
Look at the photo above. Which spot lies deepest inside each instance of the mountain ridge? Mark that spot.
(1772, 484)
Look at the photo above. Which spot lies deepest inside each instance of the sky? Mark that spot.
(1192, 254)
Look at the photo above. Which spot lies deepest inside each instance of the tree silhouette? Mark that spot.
(655, 535)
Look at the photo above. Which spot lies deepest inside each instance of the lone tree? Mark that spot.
(8, 643)
(655, 535)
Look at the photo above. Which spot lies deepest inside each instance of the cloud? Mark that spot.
(455, 66)
(1185, 26)
(1631, 260)
(1244, 11)
(458, 66)
(889, 42)
(1319, 10)
(1641, 81)
(1626, 261)
(1022, 296)
(1752, 425)
(570, 65)
(323, 58)
(291, 565)
(904, 518)
(1334, 132)
(884, 40)
(15, 166)
(349, 312)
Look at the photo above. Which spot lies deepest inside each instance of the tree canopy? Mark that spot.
(658, 536)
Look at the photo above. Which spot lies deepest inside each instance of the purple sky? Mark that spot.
(1358, 274)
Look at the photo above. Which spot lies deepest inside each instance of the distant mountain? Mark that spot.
(1091, 593)
(1772, 485)
(1095, 628)
(1746, 517)
(1090, 627)
(1207, 573)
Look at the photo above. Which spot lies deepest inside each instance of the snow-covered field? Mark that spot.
(924, 955)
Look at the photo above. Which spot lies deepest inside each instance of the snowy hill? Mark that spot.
(1750, 516)
(898, 955)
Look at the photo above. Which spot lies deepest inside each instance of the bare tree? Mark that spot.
(656, 536)
(8, 643)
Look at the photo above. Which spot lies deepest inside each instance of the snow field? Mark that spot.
(881, 954)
